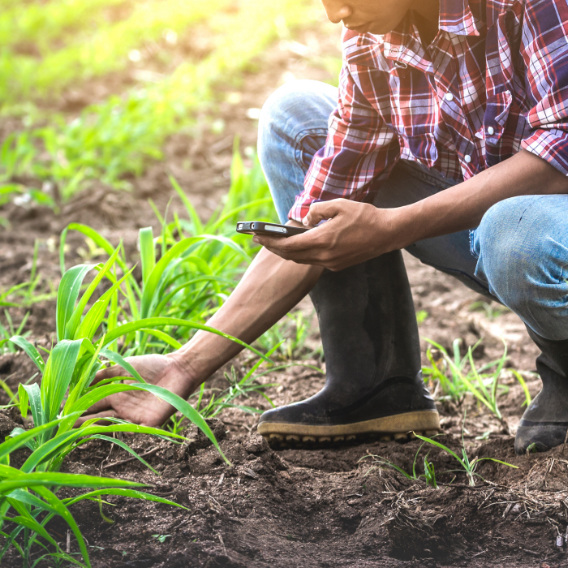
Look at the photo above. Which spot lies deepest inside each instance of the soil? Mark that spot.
(328, 506)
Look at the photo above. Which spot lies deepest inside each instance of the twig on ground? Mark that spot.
(121, 462)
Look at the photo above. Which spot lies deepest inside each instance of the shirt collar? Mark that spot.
(462, 17)
(459, 17)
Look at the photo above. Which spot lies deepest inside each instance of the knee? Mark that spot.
(292, 109)
(524, 262)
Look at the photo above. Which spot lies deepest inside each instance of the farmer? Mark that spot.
(448, 137)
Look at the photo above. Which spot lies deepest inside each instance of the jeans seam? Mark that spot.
(298, 142)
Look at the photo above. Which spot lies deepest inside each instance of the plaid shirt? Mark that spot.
(493, 81)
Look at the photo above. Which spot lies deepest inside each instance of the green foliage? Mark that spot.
(491, 309)
(102, 46)
(429, 474)
(459, 375)
(118, 136)
(468, 465)
(187, 271)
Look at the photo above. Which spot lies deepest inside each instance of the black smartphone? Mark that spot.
(270, 229)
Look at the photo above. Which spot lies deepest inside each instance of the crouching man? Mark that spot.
(447, 137)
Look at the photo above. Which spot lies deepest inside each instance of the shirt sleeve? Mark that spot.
(547, 80)
(360, 148)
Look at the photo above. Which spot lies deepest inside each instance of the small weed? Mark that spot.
(468, 465)
(429, 474)
(459, 375)
(492, 309)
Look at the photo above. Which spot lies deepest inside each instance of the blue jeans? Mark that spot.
(518, 255)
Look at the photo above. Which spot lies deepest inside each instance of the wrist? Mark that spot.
(188, 373)
(402, 227)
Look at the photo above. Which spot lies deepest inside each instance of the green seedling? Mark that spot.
(491, 309)
(468, 465)
(67, 390)
(428, 475)
(465, 377)
(120, 135)
(189, 270)
(421, 316)
(10, 330)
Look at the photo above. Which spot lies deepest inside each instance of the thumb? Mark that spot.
(321, 211)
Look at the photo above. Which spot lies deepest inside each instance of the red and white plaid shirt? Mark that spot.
(494, 80)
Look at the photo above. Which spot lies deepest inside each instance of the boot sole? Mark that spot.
(398, 428)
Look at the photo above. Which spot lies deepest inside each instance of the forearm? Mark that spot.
(269, 289)
(462, 206)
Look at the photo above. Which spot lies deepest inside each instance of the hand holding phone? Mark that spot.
(269, 229)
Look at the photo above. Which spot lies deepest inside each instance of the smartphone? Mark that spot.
(270, 229)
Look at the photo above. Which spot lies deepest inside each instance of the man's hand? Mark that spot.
(138, 406)
(353, 232)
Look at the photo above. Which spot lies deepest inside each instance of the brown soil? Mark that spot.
(322, 507)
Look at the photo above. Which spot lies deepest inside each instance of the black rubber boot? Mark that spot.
(370, 340)
(545, 422)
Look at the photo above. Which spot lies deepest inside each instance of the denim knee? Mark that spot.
(292, 128)
(522, 249)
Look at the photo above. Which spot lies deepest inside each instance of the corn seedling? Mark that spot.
(67, 389)
(28, 496)
(491, 309)
(468, 465)
(120, 135)
(8, 331)
(459, 375)
(188, 270)
(429, 474)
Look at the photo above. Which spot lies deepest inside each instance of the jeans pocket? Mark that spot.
(307, 145)
(473, 243)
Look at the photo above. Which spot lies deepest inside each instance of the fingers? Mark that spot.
(99, 406)
(322, 211)
(109, 373)
(99, 416)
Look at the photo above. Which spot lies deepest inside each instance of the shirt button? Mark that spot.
(467, 158)
(490, 131)
(449, 97)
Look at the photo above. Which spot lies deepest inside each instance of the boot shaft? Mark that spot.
(368, 323)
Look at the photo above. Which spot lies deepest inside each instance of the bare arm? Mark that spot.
(269, 289)
(356, 231)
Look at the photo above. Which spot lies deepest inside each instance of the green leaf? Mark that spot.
(128, 449)
(161, 321)
(13, 479)
(442, 447)
(197, 226)
(73, 322)
(21, 439)
(95, 316)
(120, 360)
(31, 351)
(147, 253)
(34, 396)
(67, 295)
(125, 493)
(59, 371)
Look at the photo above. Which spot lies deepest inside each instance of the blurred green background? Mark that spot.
(91, 89)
